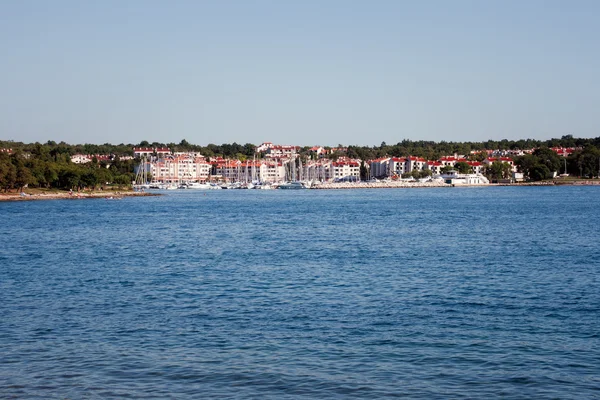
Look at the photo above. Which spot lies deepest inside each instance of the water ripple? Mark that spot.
(347, 294)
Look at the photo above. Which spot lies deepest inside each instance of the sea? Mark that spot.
(429, 293)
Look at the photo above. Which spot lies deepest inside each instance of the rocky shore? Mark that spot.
(111, 195)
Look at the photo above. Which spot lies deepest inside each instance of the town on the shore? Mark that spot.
(288, 167)
(409, 163)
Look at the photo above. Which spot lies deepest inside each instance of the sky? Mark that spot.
(310, 72)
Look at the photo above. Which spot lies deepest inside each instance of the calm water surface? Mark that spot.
(422, 293)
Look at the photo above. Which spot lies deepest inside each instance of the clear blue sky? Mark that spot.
(298, 72)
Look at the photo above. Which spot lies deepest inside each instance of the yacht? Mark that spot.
(454, 178)
(291, 185)
(197, 185)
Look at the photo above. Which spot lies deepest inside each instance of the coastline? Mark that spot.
(112, 195)
(392, 185)
(116, 195)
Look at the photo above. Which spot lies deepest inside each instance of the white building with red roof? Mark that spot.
(414, 163)
(345, 168)
(477, 167)
(271, 171)
(379, 167)
(263, 147)
(180, 168)
(396, 166)
(318, 150)
(564, 151)
(435, 167)
(282, 151)
(490, 160)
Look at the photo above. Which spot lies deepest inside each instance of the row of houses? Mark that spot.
(195, 168)
(280, 163)
(397, 166)
(270, 150)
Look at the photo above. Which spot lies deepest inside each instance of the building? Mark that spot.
(139, 152)
(564, 151)
(318, 150)
(435, 167)
(263, 147)
(396, 166)
(379, 167)
(180, 168)
(414, 163)
(345, 169)
(282, 151)
(271, 150)
(81, 158)
(476, 167)
(490, 160)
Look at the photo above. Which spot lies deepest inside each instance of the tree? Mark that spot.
(89, 179)
(23, 176)
(587, 162)
(249, 150)
(51, 174)
(68, 178)
(499, 170)
(352, 152)
(540, 172)
(526, 163)
(463, 167)
(8, 174)
(104, 176)
(183, 145)
(122, 180)
(478, 156)
(426, 173)
(364, 172)
(549, 158)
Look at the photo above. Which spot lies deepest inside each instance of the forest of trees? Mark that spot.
(49, 165)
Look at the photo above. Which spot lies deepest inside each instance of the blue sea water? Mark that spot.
(412, 293)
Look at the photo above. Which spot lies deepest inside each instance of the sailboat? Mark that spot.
(141, 177)
(293, 184)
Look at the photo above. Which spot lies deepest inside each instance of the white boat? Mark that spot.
(264, 186)
(454, 178)
(199, 186)
(291, 186)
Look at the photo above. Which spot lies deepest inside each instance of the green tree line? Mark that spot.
(45, 170)
(49, 165)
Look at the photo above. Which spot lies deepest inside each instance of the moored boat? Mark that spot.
(295, 185)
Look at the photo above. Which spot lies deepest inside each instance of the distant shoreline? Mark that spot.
(115, 195)
(110, 195)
